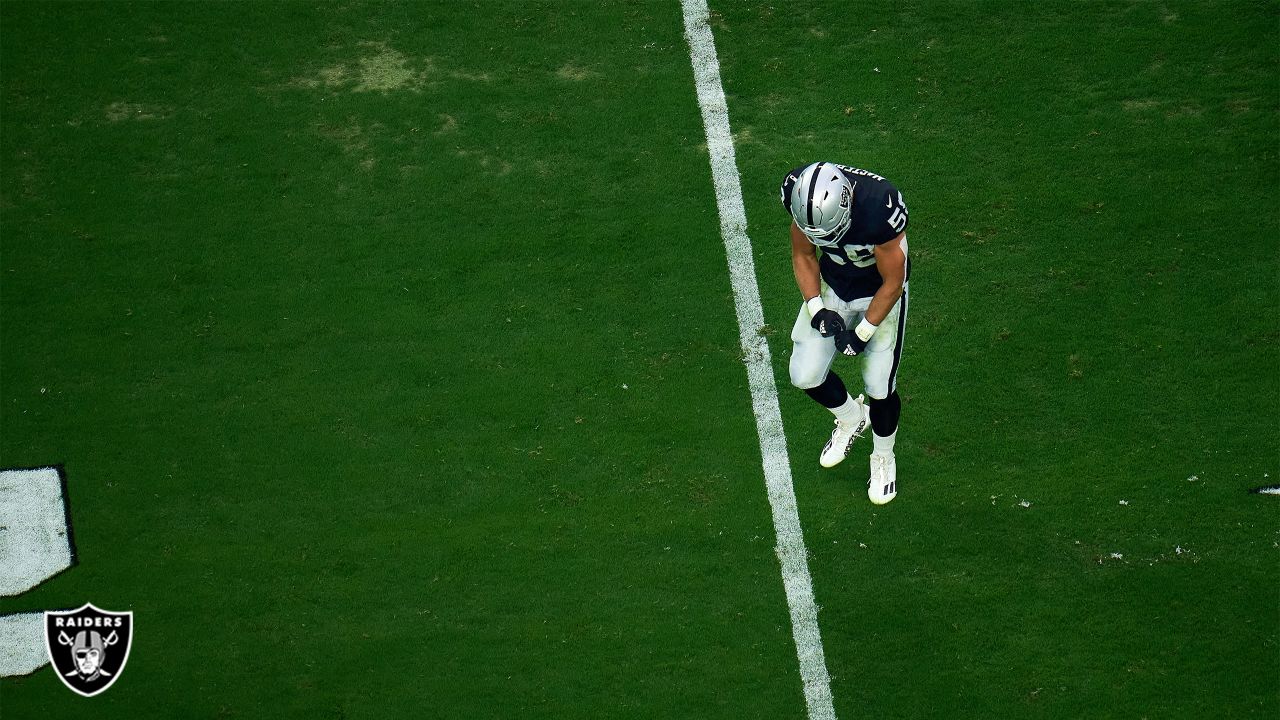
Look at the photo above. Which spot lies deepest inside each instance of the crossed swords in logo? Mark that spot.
(107, 642)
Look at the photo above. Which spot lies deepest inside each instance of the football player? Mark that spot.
(855, 304)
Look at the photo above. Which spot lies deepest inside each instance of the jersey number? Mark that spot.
(861, 255)
(858, 255)
(898, 220)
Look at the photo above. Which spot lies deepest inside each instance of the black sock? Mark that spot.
(884, 414)
(831, 393)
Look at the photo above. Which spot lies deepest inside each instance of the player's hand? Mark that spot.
(849, 343)
(828, 323)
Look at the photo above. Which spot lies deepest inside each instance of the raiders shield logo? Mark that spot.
(88, 647)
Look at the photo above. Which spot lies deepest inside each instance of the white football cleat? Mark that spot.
(883, 484)
(837, 448)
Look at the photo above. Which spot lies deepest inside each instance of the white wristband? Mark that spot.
(814, 304)
(865, 330)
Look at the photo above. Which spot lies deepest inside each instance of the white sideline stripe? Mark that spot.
(755, 350)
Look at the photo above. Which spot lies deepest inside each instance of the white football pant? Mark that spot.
(811, 354)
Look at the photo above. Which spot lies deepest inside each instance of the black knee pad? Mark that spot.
(831, 393)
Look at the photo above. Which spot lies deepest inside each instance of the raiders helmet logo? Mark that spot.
(88, 647)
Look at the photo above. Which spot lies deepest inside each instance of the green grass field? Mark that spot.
(390, 354)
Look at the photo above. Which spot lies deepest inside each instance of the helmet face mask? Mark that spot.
(822, 204)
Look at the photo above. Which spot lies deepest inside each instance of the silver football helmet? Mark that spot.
(822, 203)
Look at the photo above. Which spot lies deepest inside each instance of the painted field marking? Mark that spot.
(22, 644)
(35, 544)
(755, 349)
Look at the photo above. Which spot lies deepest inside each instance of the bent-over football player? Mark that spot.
(855, 303)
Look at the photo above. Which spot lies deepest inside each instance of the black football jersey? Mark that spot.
(879, 215)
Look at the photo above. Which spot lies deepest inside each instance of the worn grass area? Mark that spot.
(391, 357)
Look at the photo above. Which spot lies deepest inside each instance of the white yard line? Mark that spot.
(755, 350)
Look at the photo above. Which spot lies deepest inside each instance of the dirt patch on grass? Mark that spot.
(746, 136)
(448, 124)
(333, 76)
(355, 140)
(1141, 105)
(574, 73)
(489, 164)
(469, 76)
(384, 70)
(381, 68)
(351, 137)
(1239, 106)
(118, 112)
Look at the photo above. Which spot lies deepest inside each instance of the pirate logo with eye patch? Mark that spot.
(88, 647)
